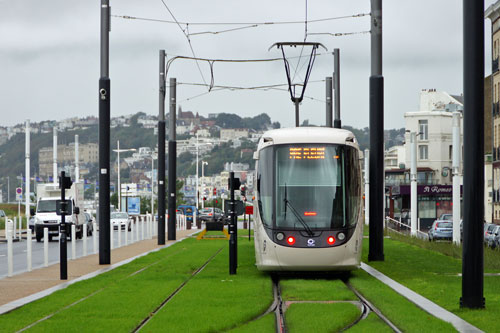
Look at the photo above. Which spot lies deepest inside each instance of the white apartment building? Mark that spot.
(395, 157)
(433, 122)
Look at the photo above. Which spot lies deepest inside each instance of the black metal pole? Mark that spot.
(104, 139)
(172, 158)
(63, 249)
(376, 200)
(329, 101)
(297, 124)
(336, 84)
(161, 182)
(473, 193)
(232, 230)
(161, 153)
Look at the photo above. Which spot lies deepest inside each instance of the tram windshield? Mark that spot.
(309, 186)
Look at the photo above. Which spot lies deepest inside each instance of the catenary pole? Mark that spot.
(376, 227)
(161, 153)
(473, 190)
(172, 157)
(329, 109)
(104, 138)
(336, 86)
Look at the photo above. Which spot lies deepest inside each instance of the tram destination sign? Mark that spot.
(307, 153)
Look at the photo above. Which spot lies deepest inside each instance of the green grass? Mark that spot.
(264, 324)
(435, 276)
(315, 290)
(216, 300)
(401, 312)
(372, 323)
(491, 256)
(122, 296)
(320, 317)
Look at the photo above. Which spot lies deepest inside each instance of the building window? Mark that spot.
(422, 127)
(451, 153)
(423, 152)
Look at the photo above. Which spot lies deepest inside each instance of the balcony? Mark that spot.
(494, 66)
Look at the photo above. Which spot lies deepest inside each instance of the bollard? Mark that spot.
(111, 234)
(14, 233)
(94, 236)
(10, 262)
(119, 235)
(126, 234)
(46, 247)
(142, 228)
(20, 228)
(73, 242)
(28, 249)
(85, 240)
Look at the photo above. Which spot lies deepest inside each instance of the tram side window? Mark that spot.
(265, 185)
(353, 186)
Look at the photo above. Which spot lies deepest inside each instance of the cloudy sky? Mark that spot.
(49, 56)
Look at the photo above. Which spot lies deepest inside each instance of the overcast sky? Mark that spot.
(49, 56)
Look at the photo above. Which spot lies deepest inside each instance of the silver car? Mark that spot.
(120, 220)
(490, 236)
(441, 229)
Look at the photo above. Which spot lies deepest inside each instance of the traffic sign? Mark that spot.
(19, 194)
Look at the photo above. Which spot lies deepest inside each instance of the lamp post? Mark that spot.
(118, 150)
(203, 163)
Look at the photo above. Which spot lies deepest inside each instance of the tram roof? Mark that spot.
(308, 135)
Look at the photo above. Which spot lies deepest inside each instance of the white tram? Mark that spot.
(308, 204)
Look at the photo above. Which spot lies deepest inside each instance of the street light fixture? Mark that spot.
(153, 157)
(118, 150)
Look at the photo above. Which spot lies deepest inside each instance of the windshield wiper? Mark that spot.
(297, 215)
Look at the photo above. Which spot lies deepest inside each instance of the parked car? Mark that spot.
(2, 213)
(488, 234)
(89, 221)
(208, 214)
(446, 217)
(120, 219)
(441, 229)
(490, 238)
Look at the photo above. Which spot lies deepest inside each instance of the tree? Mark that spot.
(114, 199)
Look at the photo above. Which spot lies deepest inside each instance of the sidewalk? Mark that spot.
(24, 285)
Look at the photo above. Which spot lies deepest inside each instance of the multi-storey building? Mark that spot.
(492, 88)
(87, 153)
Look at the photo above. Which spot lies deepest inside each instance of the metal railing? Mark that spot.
(402, 228)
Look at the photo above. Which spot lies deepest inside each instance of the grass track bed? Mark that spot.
(215, 300)
(315, 290)
(320, 317)
(264, 324)
(124, 298)
(435, 276)
(372, 323)
(401, 312)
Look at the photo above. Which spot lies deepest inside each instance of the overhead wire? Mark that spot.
(129, 17)
(187, 37)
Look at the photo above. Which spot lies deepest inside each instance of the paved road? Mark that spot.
(20, 252)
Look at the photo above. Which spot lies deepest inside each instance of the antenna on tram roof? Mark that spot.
(291, 86)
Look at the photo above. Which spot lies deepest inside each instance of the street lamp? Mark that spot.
(203, 163)
(197, 172)
(118, 150)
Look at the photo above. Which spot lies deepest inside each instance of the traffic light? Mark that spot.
(216, 201)
(215, 192)
(204, 198)
(242, 191)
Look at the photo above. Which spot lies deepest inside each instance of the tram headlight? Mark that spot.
(341, 236)
(280, 236)
(290, 240)
(330, 240)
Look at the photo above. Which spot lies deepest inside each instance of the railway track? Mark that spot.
(175, 292)
(279, 307)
